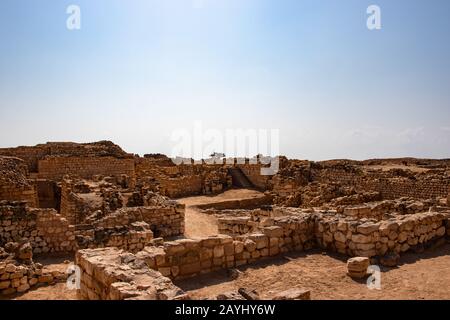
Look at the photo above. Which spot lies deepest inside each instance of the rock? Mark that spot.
(294, 294)
(390, 259)
(367, 228)
(25, 252)
(233, 273)
(230, 296)
(339, 236)
(248, 294)
(250, 245)
(10, 268)
(4, 284)
(359, 238)
(45, 278)
(357, 267)
(24, 287)
(8, 291)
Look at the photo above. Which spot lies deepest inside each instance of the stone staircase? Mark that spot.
(239, 179)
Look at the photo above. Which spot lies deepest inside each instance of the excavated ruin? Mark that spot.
(118, 217)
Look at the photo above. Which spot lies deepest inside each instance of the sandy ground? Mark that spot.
(199, 224)
(233, 194)
(423, 276)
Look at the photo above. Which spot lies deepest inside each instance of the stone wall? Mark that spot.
(163, 221)
(32, 154)
(49, 194)
(253, 173)
(132, 237)
(72, 206)
(55, 168)
(183, 180)
(46, 230)
(14, 183)
(420, 186)
(188, 257)
(19, 193)
(182, 186)
(380, 209)
(112, 274)
(20, 278)
(249, 203)
(370, 238)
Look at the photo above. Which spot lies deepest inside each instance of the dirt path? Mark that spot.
(198, 224)
(420, 276)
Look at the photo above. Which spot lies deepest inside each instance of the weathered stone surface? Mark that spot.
(293, 294)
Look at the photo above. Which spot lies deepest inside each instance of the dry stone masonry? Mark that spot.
(116, 213)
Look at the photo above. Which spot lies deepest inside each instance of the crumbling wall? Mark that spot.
(390, 184)
(73, 207)
(370, 238)
(55, 168)
(32, 154)
(46, 230)
(188, 257)
(163, 221)
(248, 203)
(112, 274)
(183, 180)
(20, 278)
(14, 185)
(253, 173)
(48, 193)
(132, 237)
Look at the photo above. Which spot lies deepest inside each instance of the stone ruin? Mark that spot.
(117, 214)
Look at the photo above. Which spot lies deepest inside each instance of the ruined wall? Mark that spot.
(421, 186)
(367, 239)
(383, 208)
(253, 173)
(182, 186)
(188, 257)
(72, 206)
(48, 194)
(183, 180)
(111, 274)
(163, 221)
(132, 237)
(14, 183)
(249, 203)
(19, 193)
(46, 230)
(32, 154)
(20, 278)
(56, 168)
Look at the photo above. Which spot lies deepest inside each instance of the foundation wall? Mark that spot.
(189, 257)
(20, 193)
(56, 168)
(389, 188)
(112, 274)
(46, 230)
(164, 222)
(357, 238)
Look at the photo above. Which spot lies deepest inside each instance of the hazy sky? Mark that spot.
(138, 70)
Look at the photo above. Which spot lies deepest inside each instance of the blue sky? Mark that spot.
(138, 70)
